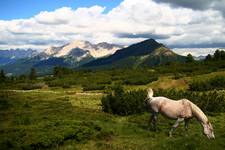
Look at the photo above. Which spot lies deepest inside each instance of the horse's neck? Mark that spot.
(198, 113)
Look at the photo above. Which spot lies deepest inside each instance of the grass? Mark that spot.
(164, 82)
(167, 82)
(209, 75)
(71, 119)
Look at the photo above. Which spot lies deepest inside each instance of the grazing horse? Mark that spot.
(181, 110)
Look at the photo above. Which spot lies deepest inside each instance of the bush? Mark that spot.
(213, 101)
(4, 103)
(137, 80)
(178, 76)
(32, 86)
(62, 82)
(66, 86)
(124, 103)
(93, 86)
(217, 82)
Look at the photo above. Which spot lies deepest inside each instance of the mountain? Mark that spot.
(145, 53)
(43, 66)
(83, 54)
(81, 49)
(12, 55)
(199, 57)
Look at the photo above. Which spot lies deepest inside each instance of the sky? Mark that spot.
(187, 26)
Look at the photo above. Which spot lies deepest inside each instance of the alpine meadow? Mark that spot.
(115, 75)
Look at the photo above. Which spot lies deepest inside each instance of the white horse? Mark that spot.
(181, 110)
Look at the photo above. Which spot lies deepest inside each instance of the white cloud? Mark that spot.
(59, 16)
(173, 26)
(195, 51)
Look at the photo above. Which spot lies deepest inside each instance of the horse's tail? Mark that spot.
(198, 113)
(150, 93)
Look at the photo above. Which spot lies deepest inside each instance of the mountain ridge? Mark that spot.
(149, 48)
(95, 50)
(12, 55)
(78, 55)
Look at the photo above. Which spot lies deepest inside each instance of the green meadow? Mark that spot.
(65, 110)
(57, 118)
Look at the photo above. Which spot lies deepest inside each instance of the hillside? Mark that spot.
(148, 52)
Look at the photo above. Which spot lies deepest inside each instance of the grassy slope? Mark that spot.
(168, 81)
(210, 75)
(164, 82)
(52, 118)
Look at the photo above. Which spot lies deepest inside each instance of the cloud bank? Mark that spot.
(176, 23)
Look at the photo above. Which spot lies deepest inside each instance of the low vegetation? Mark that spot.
(69, 120)
(213, 83)
(212, 101)
(104, 109)
(131, 102)
(124, 103)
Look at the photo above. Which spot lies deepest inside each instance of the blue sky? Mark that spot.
(17, 9)
(187, 24)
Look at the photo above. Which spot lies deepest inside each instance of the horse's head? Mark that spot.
(208, 130)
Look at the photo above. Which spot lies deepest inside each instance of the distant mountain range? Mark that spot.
(12, 55)
(83, 54)
(199, 57)
(71, 55)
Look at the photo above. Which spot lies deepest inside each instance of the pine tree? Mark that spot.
(217, 55)
(33, 74)
(57, 72)
(2, 75)
(208, 57)
(189, 58)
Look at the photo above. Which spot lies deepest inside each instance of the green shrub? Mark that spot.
(4, 103)
(137, 80)
(62, 82)
(66, 86)
(32, 86)
(93, 86)
(213, 101)
(124, 103)
(178, 75)
(217, 82)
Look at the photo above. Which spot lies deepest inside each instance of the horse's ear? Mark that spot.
(150, 93)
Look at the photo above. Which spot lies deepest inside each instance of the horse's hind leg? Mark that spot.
(175, 126)
(186, 124)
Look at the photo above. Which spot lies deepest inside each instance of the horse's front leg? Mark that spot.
(153, 120)
(175, 126)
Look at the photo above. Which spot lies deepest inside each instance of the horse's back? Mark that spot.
(173, 108)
